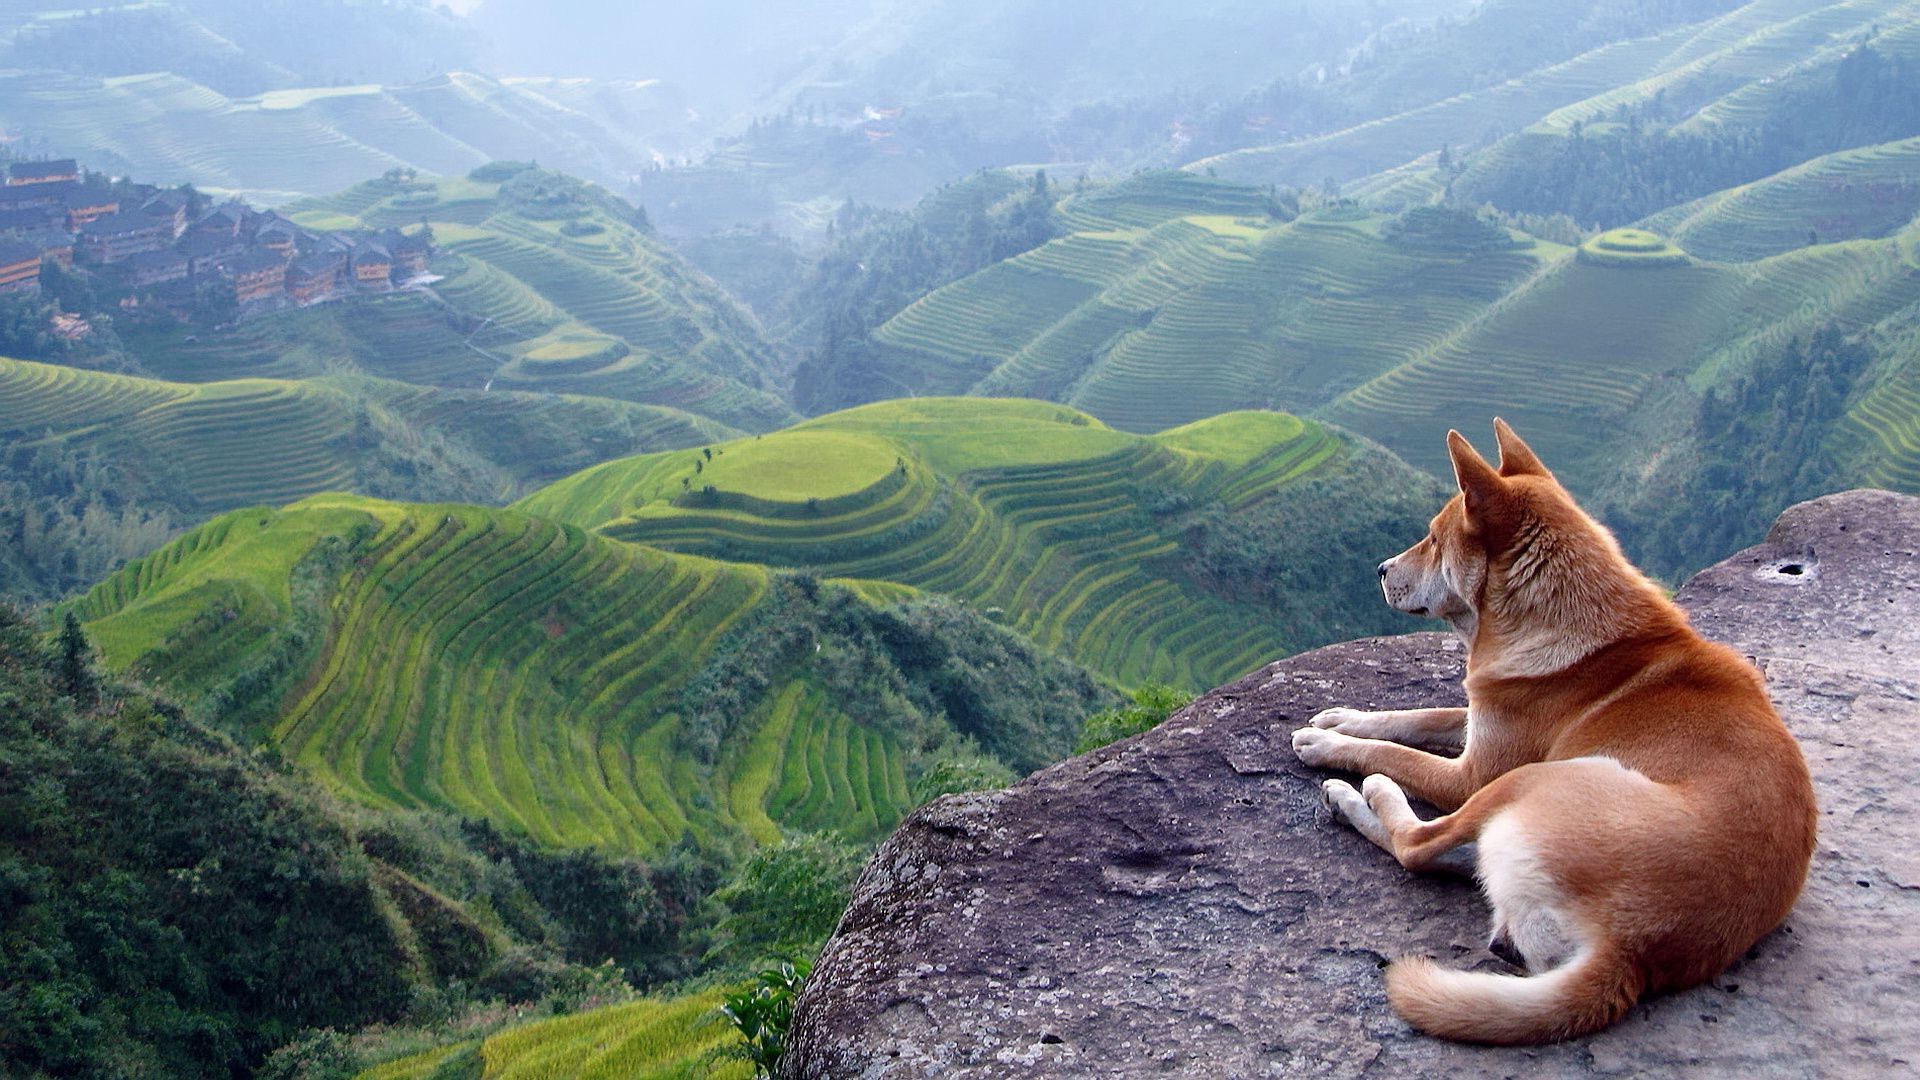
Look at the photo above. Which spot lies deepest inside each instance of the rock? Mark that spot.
(1179, 904)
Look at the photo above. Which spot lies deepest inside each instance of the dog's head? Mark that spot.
(1444, 576)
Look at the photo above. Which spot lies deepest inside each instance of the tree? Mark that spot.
(74, 664)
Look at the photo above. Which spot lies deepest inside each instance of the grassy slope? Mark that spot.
(1866, 193)
(652, 1039)
(612, 313)
(478, 660)
(205, 447)
(289, 144)
(1072, 530)
(1588, 345)
(1687, 63)
(1158, 310)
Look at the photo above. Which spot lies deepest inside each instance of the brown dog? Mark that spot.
(1641, 814)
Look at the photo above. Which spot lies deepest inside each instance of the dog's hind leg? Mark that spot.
(1358, 810)
(1439, 730)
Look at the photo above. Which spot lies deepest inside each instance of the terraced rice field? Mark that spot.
(653, 1039)
(209, 447)
(224, 444)
(497, 665)
(1585, 343)
(1856, 194)
(530, 292)
(167, 129)
(809, 767)
(1195, 316)
(1027, 509)
(1462, 120)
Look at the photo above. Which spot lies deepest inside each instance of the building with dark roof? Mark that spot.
(23, 173)
(55, 244)
(168, 205)
(84, 204)
(315, 278)
(206, 250)
(155, 268)
(35, 196)
(257, 275)
(109, 239)
(19, 267)
(372, 267)
(410, 253)
(20, 222)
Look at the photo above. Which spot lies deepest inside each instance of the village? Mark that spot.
(160, 248)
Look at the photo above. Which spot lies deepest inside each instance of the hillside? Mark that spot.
(566, 686)
(302, 139)
(551, 284)
(166, 887)
(1176, 557)
(100, 468)
(1722, 46)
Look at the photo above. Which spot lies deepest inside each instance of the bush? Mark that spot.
(1152, 704)
(951, 776)
(787, 899)
(763, 1013)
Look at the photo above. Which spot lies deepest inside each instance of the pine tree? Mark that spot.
(74, 670)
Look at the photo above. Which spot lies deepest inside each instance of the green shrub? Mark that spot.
(787, 898)
(1152, 704)
(763, 1013)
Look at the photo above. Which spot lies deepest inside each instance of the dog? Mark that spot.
(1638, 814)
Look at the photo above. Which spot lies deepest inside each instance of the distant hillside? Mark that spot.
(100, 468)
(548, 286)
(1181, 557)
(1682, 51)
(570, 687)
(307, 140)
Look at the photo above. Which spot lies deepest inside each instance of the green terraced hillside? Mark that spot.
(1687, 64)
(1087, 539)
(547, 286)
(1855, 194)
(1590, 348)
(289, 144)
(1177, 317)
(207, 447)
(654, 1039)
(565, 685)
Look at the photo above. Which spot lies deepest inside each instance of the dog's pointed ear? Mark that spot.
(1516, 457)
(1477, 479)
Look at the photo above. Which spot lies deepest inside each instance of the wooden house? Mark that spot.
(19, 267)
(57, 171)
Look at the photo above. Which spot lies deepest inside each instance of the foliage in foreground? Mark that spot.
(1152, 704)
(229, 907)
(762, 1013)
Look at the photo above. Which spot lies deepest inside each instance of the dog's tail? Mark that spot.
(1585, 994)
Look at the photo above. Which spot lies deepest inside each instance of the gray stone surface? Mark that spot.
(1179, 904)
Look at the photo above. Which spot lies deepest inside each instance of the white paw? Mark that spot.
(1379, 786)
(1337, 718)
(1339, 797)
(1318, 746)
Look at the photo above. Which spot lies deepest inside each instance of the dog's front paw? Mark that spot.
(1341, 799)
(1319, 747)
(1339, 718)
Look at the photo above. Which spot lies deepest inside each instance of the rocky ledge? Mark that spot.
(1179, 904)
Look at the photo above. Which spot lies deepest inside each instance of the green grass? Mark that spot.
(1194, 316)
(496, 665)
(1066, 527)
(1631, 249)
(312, 141)
(212, 446)
(653, 1039)
(1867, 193)
(612, 313)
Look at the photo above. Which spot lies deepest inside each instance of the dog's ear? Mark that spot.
(1516, 457)
(1477, 479)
